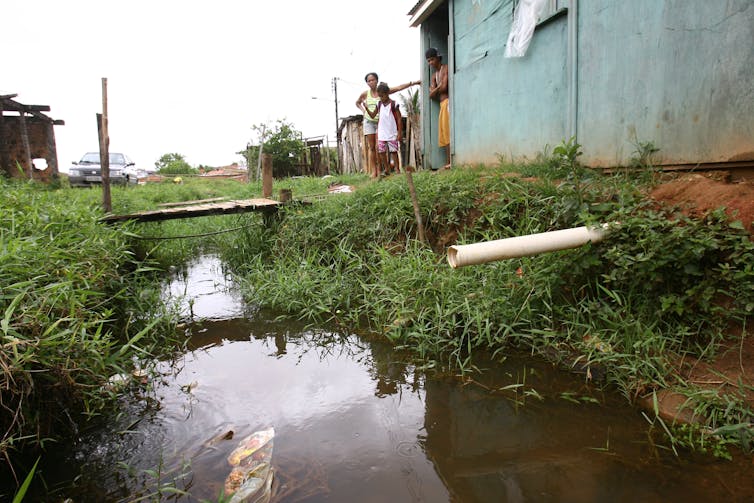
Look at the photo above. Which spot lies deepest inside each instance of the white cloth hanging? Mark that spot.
(524, 20)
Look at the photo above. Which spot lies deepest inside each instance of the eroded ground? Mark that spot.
(732, 370)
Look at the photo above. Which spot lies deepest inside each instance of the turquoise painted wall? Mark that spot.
(505, 107)
(678, 73)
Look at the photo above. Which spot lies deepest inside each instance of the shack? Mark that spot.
(27, 140)
(312, 162)
(620, 77)
(353, 154)
(351, 145)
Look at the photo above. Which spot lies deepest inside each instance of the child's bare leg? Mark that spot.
(382, 157)
(394, 162)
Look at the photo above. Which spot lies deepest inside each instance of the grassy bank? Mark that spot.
(662, 286)
(79, 300)
(76, 307)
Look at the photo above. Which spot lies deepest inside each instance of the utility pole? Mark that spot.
(104, 151)
(337, 122)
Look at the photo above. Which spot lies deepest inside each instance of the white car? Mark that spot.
(88, 171)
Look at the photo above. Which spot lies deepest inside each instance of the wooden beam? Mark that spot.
(189, 203)
(225, 208)
(35, 110)
(27, 149)
(14, 105)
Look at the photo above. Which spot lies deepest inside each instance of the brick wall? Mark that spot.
(41, 145)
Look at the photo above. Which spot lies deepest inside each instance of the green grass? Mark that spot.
(79, 299)
(661, 286)
(76, 307)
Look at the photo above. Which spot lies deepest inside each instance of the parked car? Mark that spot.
(88, 171)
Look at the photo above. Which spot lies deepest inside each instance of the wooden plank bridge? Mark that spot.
(202, 209)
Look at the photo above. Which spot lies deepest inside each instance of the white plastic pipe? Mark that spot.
(523, 246)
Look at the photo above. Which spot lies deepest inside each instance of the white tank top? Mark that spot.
(387, 129)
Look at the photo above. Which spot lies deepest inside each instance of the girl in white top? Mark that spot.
(389, 130)
(368, 101)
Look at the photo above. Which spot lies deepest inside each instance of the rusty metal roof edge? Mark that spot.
(422, 10)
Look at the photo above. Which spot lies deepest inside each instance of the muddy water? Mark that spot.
(356, 422)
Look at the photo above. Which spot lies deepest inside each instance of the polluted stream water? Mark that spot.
(340, 417)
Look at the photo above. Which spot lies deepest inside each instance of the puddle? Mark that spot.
(354, 421)
(204, 290)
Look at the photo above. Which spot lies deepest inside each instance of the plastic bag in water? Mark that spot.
(250, 480)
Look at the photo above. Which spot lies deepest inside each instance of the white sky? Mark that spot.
(193, 77)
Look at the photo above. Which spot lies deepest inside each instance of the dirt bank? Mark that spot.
(732, 370)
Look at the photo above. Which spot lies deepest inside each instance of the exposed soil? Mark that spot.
(732, 370)
(695, 194)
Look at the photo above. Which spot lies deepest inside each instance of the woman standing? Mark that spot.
(367, 103)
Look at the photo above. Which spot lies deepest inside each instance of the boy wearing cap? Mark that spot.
(438, 91)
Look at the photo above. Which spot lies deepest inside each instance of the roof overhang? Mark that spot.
(8, 104)
(422, 10)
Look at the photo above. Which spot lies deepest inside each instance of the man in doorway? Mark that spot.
(438, 91)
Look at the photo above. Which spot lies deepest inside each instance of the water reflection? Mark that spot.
(356, 421)
(204, 289)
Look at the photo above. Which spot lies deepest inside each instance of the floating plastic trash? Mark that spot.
(249, 445)
(250, 480)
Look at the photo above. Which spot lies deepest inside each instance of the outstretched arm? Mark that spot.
(404, 86)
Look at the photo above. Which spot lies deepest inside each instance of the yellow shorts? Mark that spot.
(443, 126)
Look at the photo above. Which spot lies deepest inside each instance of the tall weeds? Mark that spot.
(661, 286)
(75, 307)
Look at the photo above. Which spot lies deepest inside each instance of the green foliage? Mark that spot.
(19, 497)
(658, 287)
(75, 308)
(642, 155)
(174, 164)
(566, 154)
(283, 142)
(410, 103)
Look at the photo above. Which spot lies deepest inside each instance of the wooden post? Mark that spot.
(414, 199)
(266, 175)
(27, 150)
(104, 151)
(261, 151)
(4, 162)
(327, 153)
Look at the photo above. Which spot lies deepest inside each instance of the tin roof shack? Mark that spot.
(26, 135)
(616, 75)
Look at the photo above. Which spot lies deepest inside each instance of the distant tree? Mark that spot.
(283, 142)
(174, 164)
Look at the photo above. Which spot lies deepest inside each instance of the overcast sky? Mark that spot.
(193, 77)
